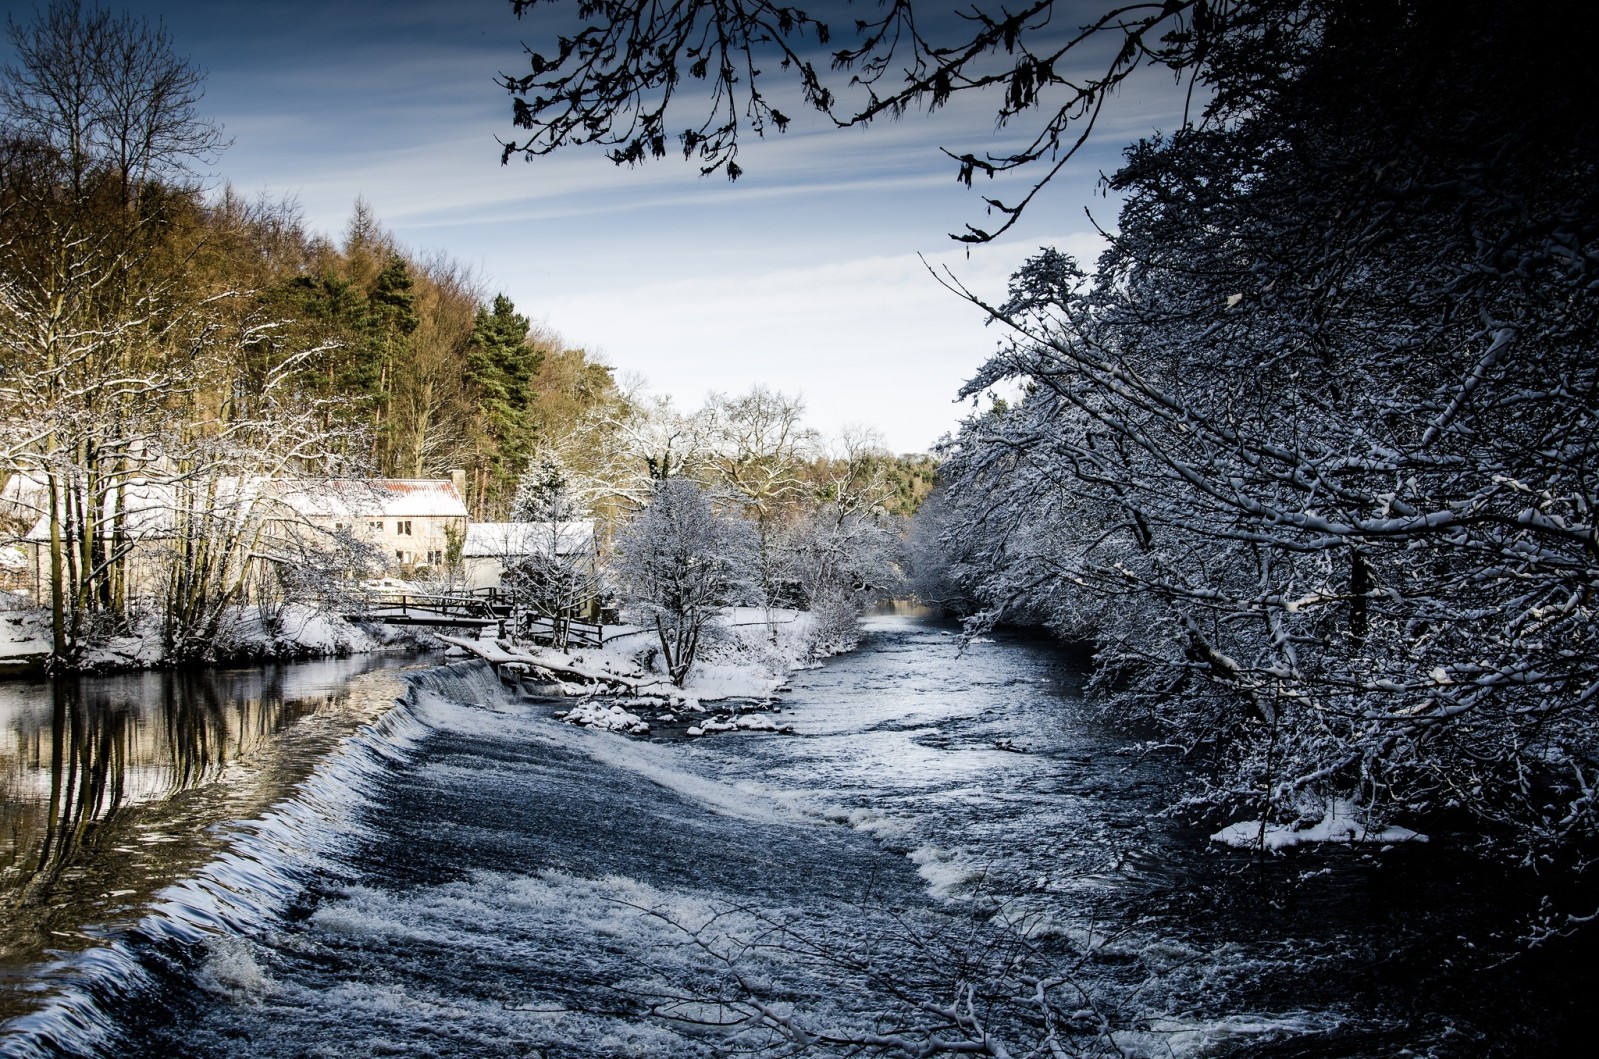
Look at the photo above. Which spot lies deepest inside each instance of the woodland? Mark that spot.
(157, 330)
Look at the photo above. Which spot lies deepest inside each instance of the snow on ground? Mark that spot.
(752, 653)
(294, 631)
(24, 629)
(298, 629)
(747, 655)
(609, 716)
(1343, 822)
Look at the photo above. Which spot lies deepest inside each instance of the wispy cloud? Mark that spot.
(804, 274)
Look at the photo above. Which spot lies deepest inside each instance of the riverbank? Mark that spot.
(749, 654)
(292, 632)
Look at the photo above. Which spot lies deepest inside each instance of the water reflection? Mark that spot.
(114, 787)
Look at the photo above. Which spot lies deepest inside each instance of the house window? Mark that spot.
(403, 556)
(375, 526)
(435, 557)
(403, 527)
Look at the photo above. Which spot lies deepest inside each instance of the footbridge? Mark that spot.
(468, 610)
(415, 608)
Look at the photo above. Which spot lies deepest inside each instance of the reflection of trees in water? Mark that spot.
(89, 752)
(196, 728)
(118, 743)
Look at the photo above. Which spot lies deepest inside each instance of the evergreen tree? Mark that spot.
(502, 366)
(554, 574)
(547, 492)
(327, 308)
(391, 320)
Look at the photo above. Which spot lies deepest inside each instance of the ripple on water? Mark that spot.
(499, 884)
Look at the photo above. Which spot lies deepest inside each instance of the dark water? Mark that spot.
(115, 788)
(954, 845)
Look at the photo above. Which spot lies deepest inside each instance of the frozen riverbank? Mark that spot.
(749, 654)
(293, 632)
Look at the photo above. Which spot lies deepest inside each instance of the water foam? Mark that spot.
(242, 891)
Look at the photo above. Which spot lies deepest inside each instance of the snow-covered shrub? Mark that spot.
(835, 624)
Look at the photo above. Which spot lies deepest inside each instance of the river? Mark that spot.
(954, 842)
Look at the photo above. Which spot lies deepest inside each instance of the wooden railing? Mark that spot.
(481, 608)
(420, 608)
(533, 625)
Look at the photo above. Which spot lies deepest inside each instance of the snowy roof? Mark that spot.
(372, 497)
(488, 540)
(148, 507)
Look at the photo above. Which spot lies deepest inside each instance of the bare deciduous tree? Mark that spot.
(108, 92)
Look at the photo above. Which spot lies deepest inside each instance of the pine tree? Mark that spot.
(391, 320)
(547, 492)
(502, 366)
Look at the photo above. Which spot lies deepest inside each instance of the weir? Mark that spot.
(465, 876)
(117, 791)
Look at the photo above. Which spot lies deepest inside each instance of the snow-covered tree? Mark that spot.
(548, 492)
(758, 449)
(553, 569)
(1306, 454)
(836, 561)
(638, 441)
(680, 561)
(843, 549)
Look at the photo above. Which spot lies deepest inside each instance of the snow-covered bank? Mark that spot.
(747, 660)
(24, 635)
(1344, 822)
(292, 632)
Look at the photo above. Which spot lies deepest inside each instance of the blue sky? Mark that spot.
(804, 275)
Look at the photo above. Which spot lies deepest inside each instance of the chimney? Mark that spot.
(458, 479)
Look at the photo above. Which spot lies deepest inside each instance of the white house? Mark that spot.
(491, 546)
(411, 522)
(139, 518)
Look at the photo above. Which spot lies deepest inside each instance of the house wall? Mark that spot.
(482, 572)
(412, 541)
(403, 543)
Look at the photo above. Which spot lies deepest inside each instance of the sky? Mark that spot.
(812, 274)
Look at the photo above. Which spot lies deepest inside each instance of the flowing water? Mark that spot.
(953, 842)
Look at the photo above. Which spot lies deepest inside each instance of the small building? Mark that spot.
(412, 523)
(491, 547)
